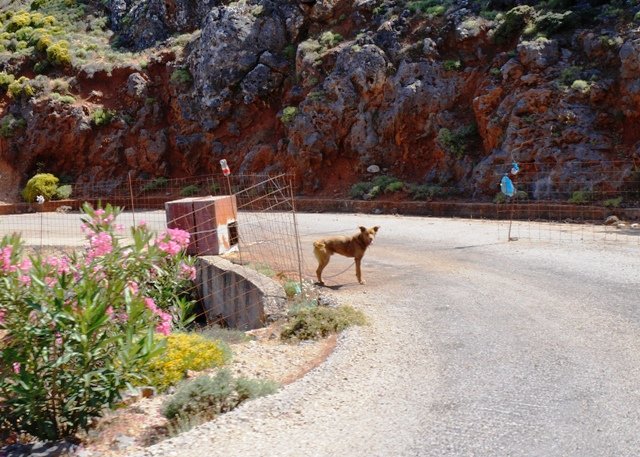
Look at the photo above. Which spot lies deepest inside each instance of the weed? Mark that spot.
(612, 202)
(205, 397)
(158, 183)
(359, 190)
(330, 39)
(581, 86)
(102, 116)
(320, 321)
(581, 197)
(181, 76)
(9, 124)
(288, 114)
(426, 192)
(190, 190)
(291, 288)
(452, 65)
(456, 142)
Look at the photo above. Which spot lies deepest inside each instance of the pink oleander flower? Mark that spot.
(50, 281)
(164, 327)
(24, 279)
(151, 304)
(173, 241)
(188, 271)
(5, 259)
(3, 313)
(109, 311)
(16, 367)
(133, 287)
(61, 264)
(142, 223)
(119, 228)
(99, 212)
(25, 265)
(100, 244)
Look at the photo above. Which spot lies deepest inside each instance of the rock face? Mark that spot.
(327, 88)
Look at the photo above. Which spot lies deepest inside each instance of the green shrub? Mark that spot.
(513, 23)
(21, 86)
(452, 65)
(6, 79)
(158, 183)
(181, 76)
(581, 85)
(359, 190)
(330, 39)
(190, 190)
(612, 202)
(429, 7)
(569, 75)
(581, 197)
(58, 53)
(63, 192)
(9, 124)
(65, 99)
(44, 184)
(426, 192)
(102, 116)
(205, 397)
(456, 142)
(291, 288)
(40, 68)
(185, 352)
(288, 114)
(289, 51)
(495, 72)
(395, 186)
(320, 321)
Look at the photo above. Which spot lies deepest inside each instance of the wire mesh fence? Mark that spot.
(259, 230)
(254, 232)
(580, 201)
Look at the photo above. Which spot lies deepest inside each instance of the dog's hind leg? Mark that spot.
(323, 261)
(358, 271)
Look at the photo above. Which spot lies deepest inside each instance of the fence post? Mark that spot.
(133, 209)
(295, 229)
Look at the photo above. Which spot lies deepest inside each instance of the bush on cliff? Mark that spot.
(44, 184)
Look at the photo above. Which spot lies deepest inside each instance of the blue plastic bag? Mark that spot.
(506, 186)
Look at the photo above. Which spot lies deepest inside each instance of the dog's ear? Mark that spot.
(376, 228)
(362, 229)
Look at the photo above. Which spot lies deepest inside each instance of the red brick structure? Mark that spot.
(211, 221)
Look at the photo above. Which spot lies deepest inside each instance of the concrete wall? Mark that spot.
(237, 296)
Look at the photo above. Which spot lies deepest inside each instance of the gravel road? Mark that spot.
(478, 347)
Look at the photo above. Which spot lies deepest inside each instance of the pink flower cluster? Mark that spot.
(100, 244)
(188, 271)
(7, 266)
(173, 241)
(164, 326)
(61, 264)
(3, 313)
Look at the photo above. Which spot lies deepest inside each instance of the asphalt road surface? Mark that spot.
(477, 347)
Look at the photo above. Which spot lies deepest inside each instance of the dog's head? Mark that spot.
(368, 234)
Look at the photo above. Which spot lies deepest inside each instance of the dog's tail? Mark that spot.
(319, 248)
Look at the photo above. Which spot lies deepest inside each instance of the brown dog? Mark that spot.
(348, 246)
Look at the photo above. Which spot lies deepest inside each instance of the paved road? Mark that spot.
(478, 347)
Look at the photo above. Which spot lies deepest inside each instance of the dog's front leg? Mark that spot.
(359, 272)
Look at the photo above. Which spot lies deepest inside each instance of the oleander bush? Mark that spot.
(77, 330)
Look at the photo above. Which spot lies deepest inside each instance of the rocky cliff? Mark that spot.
(441, 93)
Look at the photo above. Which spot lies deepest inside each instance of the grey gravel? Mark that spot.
(477, 347)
